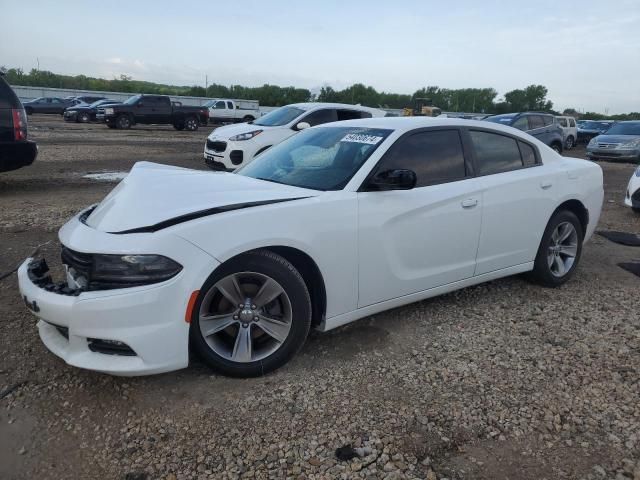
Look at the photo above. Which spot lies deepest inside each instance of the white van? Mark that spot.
(232, 146)
(569, 130)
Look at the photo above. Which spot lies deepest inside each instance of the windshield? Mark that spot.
(504, 119)
(625, 129)
(320, 158)
(132, 100)
(279, 117)
(591, 125)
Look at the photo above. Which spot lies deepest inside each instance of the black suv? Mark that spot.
(15, 150)
(543, 126)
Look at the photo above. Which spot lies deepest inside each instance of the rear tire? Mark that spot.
(253, 314)
(560, 250)
(178, 126)
(557, 147)
(84, 118)
(569, 143)
(111, 126)
(248, 118)
(123, 122)
(191, 124)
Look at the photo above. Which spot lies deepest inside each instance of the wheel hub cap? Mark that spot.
(245, 317)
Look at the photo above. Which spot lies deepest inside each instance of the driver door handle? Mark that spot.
(469, 203)
(545, 185)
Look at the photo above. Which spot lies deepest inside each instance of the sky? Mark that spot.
(587, 53)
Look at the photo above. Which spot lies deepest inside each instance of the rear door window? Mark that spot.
(572, 122)
(563, 122)
(535, 121)
(352, 114)
(230, 105)
(495, 153)
(547, 120)
(324, 115)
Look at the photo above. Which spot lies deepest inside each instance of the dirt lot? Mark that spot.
(504, 380)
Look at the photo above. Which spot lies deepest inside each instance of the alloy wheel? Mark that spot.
(191, 124)
(245, 317)
(563, 249)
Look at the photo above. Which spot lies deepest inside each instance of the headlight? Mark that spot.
(638, 171)
(108, 111)
(245, 136)
(632, 144)
(105, 271)
(592, 142)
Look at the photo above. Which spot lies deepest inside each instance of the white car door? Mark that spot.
(518, 199)
(414, 240)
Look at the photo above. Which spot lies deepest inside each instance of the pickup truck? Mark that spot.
(226, 110)
(152, 109)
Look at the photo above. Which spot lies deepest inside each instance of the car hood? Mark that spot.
(155, 196)
(617, 138)
(229, 131)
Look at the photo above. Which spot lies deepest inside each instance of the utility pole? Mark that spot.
(206, 84)
(38, 60)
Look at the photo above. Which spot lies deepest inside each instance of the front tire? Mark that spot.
(84, 118)
(248, 118)
(28, 110)
(123, 122)
(252, 315)
(560, 250)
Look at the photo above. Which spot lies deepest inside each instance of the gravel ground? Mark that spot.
(498, 381)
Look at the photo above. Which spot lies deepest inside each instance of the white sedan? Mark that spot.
(337, 223)
(234, 146)
(632, 198)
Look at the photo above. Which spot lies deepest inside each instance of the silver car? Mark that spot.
(620, 142)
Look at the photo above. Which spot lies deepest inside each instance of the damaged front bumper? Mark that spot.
(130, 331)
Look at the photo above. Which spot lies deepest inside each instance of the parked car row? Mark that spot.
(542, 126)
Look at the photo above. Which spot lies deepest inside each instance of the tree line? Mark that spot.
(480, 100)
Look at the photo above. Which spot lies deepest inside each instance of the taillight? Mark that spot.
(19, 124)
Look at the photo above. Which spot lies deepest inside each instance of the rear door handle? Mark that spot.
(545, 185)
(469, 203)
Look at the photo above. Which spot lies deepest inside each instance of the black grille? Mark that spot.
(80, 262)
(216, 146)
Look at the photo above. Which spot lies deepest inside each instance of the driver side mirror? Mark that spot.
(399, 179)
(302, 126)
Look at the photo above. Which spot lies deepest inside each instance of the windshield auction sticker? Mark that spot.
(362, 138)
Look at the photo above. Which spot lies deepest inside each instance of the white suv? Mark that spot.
(233, 146)
(569, 131)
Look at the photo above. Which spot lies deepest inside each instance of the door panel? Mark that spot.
(516, 208)
(413, 240)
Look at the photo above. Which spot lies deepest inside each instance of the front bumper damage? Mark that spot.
(136, 330)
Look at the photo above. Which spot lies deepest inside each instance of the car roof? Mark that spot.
(311, 105)
(405, 124)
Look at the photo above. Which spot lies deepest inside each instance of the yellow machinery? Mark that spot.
(422, 107)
